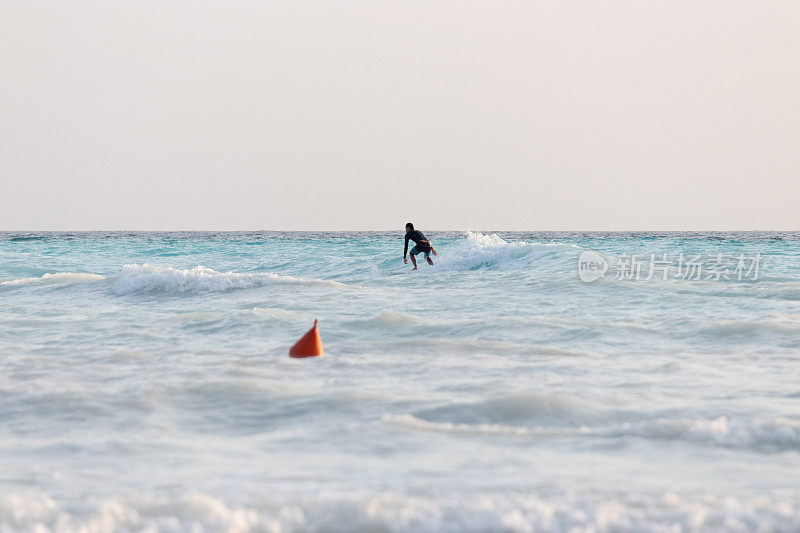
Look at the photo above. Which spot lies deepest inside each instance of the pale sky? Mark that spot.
(345, 115)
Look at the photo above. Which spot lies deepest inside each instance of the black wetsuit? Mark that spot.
(423, 245)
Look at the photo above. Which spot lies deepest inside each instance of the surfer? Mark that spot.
(423, 245)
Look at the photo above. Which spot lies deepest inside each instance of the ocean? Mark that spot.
(526, 382)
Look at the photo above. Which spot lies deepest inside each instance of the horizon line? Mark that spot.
(397, 230)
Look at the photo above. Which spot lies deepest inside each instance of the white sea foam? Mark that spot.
(64, 277)
(770, 434)
(273, 312)
(480, 251)
(412, 422)
(148, 278)
(765, 435)
(487, 512)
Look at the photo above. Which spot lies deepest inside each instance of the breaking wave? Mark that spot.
(771, 435)
(776, 434)
(148, 278)
(56, 277)
(412, 422)
(490, 252)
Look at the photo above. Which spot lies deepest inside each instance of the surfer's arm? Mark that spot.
(405, 249)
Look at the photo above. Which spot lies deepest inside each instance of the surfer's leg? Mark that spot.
(428, 258)
(414, 260)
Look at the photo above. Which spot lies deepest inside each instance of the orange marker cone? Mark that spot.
(309, 345)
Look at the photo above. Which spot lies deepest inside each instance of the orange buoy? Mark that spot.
(309, 345)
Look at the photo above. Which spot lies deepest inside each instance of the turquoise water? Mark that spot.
(146, 383)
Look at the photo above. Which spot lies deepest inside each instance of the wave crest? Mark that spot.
(767, 435)
(56, 277)
(490, 252)
(412, 422)
(770, 435)
(148, 278)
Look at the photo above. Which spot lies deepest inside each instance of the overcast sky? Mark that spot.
(341, 115)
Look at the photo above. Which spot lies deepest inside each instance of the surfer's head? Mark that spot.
(409, 226)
